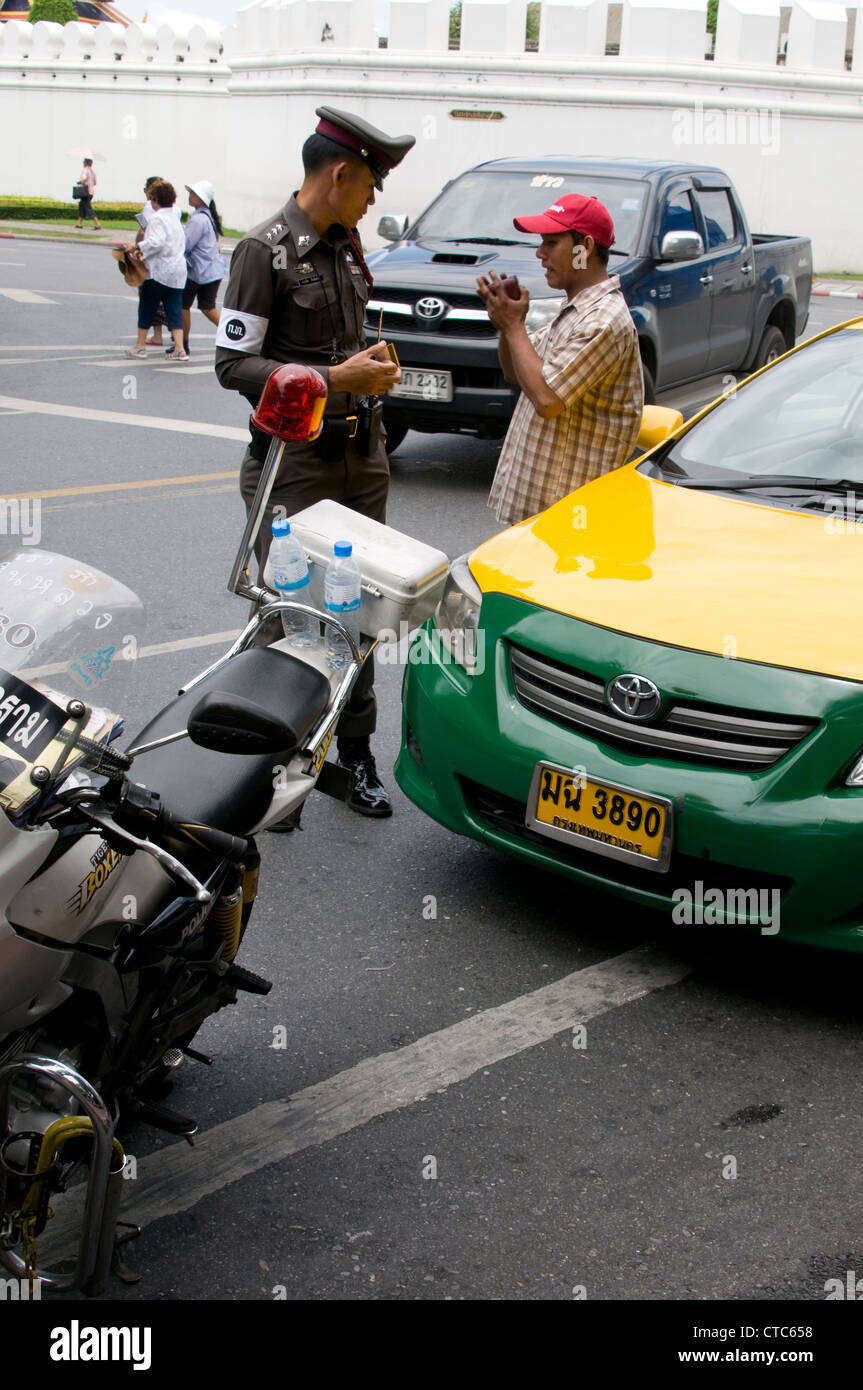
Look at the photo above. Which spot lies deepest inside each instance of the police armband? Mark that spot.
(241, 331)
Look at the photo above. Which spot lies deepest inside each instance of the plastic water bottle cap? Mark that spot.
(343, 548)
(281, 528)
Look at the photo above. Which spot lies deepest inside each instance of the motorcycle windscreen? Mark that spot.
(68, 631)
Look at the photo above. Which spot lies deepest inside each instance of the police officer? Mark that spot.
(297, 293)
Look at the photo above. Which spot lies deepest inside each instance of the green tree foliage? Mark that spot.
(533, 14)
(712, 10)
(57, 11)
(455, 23)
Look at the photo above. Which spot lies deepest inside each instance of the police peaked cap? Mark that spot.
(381, 152)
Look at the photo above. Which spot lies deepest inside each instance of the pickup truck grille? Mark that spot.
(465, 316)
(685, 732)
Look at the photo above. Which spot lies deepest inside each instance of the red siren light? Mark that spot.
(292, 404)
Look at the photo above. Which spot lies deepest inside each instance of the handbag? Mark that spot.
(80, 191)
(133, 271)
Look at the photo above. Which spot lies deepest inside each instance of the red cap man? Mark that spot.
(572, 213)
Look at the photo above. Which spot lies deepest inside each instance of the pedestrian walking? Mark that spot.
(582, 391)
(87, 180)
(207, 267)
(162, 249)
(142, 218)
(297, 292)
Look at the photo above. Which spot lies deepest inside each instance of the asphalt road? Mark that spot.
(476, 1155)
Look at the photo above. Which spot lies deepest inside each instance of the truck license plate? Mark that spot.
(601, 816)
(423, 386)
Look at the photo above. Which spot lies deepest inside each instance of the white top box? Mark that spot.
(403, 578)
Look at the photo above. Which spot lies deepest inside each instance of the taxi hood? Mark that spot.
(692, 569)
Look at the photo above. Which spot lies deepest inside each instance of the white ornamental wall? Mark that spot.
(788, 137)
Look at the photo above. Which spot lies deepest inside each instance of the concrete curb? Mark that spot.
(104, 237)
(838, 294)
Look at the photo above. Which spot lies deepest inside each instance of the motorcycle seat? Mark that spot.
(229, 791)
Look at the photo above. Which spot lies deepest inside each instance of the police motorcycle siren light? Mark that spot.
(290, 411)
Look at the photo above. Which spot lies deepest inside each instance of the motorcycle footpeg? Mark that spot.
(162, 1117)
(241, 978)
(334, 781)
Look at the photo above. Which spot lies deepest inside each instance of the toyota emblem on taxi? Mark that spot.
(430, 307)
(634, 696)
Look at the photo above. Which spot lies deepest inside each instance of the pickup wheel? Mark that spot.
(772, 345)
(395, 437)
(649, 385)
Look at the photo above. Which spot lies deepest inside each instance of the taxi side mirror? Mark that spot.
(657, 423)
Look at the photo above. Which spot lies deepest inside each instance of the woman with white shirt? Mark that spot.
(162, 249)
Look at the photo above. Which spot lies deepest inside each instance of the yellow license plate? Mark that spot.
(601, 816)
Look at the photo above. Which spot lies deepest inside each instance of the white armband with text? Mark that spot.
(241, 331)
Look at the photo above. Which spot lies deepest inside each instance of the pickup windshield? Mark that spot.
(480, 206)
(801, 420)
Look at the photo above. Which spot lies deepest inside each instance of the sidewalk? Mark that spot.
(65, 231)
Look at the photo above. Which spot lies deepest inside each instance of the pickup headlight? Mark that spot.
(456, 620)
(542, 311)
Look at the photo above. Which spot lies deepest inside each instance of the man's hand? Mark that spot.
(505, 313)
(367, 373)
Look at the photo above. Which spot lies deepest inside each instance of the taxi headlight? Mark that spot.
(542, 311)
(456, 620)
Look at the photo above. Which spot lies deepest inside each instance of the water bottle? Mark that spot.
(291, 579)
(342, 597)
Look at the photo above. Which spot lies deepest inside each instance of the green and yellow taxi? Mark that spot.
(655, 687)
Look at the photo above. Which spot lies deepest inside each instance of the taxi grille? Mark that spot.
(684, 731)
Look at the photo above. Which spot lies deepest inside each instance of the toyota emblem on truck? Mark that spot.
(430, 308)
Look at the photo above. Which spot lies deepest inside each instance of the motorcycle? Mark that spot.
(127, 878)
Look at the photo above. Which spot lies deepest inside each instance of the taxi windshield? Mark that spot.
(802, 419)
(480, 206)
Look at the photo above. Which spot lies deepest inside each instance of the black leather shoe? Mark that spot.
(368, 795)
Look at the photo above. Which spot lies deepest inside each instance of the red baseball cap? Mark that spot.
(573, 213)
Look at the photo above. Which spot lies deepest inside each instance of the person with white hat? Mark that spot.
(207, 267)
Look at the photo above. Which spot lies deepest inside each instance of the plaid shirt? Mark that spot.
(591, 361)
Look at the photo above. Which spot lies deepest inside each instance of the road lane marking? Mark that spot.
(176, 1178)
(27, 297)
(181, 644)
(155, 359)
(60, 347)
(90, 488)
(116, 417)
(202, 490)
(35, 360)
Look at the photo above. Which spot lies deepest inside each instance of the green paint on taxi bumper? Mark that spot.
(774, 847)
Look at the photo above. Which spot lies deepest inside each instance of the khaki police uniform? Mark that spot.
(294, 296)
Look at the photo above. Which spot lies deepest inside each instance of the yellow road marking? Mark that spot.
(122, 487)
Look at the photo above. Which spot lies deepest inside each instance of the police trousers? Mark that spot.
(303, 479)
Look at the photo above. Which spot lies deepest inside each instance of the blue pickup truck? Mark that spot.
(706, 295)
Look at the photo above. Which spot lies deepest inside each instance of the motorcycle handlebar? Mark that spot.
(149, 813)
(205, 836)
